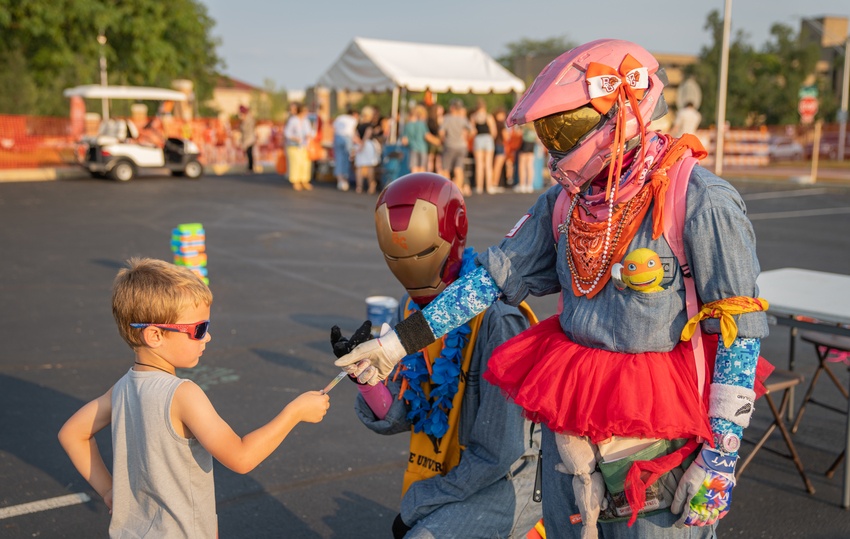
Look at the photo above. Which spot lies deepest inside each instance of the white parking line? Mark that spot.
(785, 194)
(796, 213)
(43, 505)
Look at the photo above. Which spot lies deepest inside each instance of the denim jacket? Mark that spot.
(491, 429)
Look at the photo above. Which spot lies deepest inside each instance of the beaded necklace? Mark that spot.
(587, 268)
(608, 247)
(430, 414)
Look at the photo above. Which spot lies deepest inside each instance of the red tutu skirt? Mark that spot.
(596, 393)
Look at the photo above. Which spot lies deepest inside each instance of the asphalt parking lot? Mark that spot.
(284, 267)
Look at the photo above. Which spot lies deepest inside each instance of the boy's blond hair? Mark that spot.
(154, 292)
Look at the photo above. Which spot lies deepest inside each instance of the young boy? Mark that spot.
(165, 431)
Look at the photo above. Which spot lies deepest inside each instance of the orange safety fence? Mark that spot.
(35, 141)
(42, 141)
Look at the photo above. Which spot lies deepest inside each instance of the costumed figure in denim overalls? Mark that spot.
(472, 461)
(646, 377)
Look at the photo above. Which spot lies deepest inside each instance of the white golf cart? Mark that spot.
(116, 150)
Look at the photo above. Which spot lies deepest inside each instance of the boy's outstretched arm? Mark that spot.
(77, 438)
(242, 454)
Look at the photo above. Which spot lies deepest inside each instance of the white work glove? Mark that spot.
(374, 360)
(705, 491)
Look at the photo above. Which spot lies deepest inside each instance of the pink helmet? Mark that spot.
(586, 100)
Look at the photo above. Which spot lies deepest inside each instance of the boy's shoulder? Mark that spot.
(151, 382)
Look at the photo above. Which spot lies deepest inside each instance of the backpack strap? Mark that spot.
(675, 206)
(559, 215)
(529, 315)
(559, 212)
(676, 203)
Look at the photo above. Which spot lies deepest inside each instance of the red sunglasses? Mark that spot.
(196, 331)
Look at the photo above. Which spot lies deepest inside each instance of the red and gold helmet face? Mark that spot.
(421, 225)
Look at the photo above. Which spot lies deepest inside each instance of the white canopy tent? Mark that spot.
(374, 65)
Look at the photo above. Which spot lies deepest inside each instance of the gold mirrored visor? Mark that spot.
(562, 131)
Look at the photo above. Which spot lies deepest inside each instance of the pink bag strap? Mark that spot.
(559, 212)
(559, 215)
(675, 206)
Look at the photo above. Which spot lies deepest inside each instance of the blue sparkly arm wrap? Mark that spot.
(732, 395)
(461, 301)
(471, 294)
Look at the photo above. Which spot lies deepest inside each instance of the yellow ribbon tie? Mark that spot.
(725, 310)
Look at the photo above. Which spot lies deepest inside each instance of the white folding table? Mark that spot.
(825, 297)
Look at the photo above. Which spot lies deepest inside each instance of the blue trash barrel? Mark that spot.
(395, 162)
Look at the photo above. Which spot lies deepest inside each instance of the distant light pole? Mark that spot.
(101, 38)
(721, 91)
(842, 114)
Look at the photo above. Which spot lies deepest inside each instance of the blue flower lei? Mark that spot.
(431, 414)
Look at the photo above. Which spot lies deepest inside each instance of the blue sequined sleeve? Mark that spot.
(461, 301)
(734, 366)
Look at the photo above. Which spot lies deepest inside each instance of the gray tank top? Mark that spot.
(162, 483)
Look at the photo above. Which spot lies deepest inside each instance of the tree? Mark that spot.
(782, 67)
(527, 57)
(706, 72)
(148, 43)
(17, 89)
(274, 108)
(763, 84)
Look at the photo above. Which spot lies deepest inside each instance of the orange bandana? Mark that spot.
(586, 241)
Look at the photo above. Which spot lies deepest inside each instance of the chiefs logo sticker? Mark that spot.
(518, 225)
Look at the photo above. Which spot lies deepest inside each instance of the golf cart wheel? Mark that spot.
(193, 170)
(123, 171)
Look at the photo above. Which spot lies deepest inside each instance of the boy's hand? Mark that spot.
(311, 406)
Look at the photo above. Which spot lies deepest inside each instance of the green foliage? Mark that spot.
(17, 89)
(527, 57)
(277, 106)
(149, 43)
(381, 101)
(550, 47)
(762, 84)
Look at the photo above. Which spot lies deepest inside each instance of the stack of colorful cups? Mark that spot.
(189, 248)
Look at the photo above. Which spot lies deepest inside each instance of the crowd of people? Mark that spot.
(476, 150)
(473, 147)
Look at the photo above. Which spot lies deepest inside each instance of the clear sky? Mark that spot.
(292, 42)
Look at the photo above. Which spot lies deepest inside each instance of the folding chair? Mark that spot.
(779, 380)
(824, 343)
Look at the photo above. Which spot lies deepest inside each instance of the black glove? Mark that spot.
(342, 346)
(400, 529)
